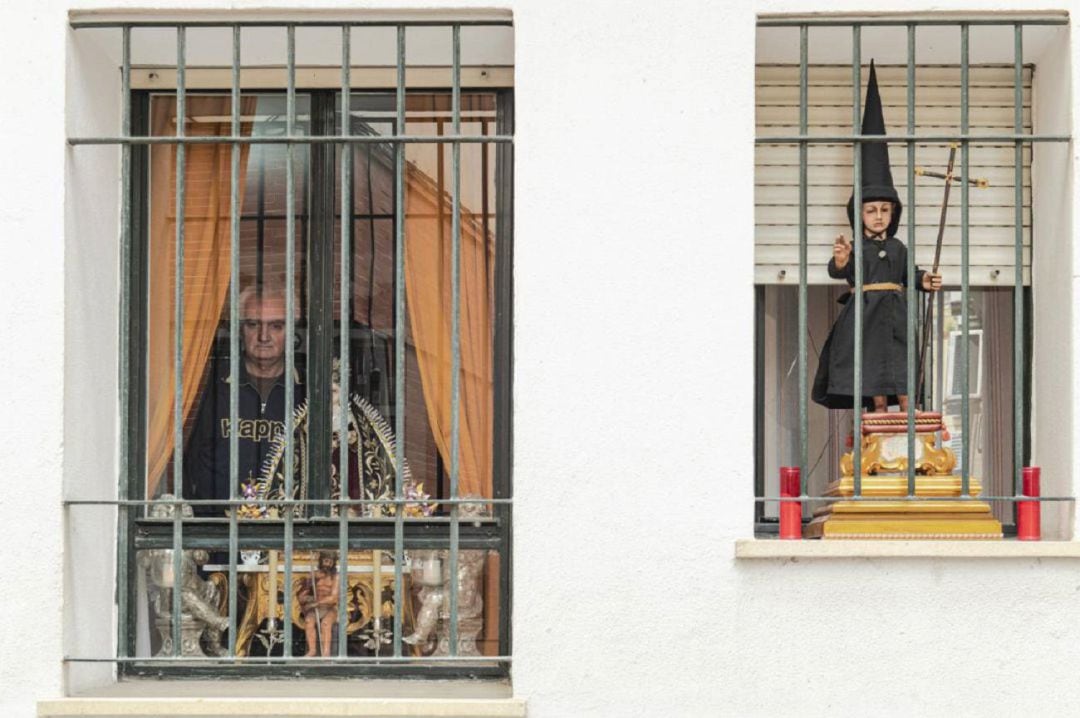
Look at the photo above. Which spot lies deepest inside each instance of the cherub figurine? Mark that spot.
(199, 599)
(318, 604)
(432, 568)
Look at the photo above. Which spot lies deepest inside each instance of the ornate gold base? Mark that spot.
(969, 519)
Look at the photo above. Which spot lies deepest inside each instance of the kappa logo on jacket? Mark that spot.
(257, 430)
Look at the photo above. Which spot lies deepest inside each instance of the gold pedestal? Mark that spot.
(898, 519)
(885, 478)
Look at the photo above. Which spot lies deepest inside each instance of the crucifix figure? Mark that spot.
(318, 604)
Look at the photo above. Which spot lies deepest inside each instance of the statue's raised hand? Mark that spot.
(841, 251)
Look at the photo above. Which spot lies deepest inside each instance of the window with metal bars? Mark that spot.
(315, 347)
(983, 99)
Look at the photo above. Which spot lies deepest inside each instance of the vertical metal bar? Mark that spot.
(399, 343)
(319, 315)
(912, 302)
(804, 420)
(290, 329)
(346, 338)
(939, 367)
(455, 338)
(965, 410)
(1018, 261)
(504, 360)
(857, 241)
(178, 341)
(177, 571)
(123, 589)
(234, 338)
(134, 333)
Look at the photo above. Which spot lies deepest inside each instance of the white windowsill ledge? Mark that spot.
(848, 548)
(253, 707)
(313, 697)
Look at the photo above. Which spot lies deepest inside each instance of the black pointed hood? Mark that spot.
(877, 181)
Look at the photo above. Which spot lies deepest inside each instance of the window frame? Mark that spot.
(136, 533)
(1022, 341)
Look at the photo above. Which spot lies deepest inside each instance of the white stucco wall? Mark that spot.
(633, 399)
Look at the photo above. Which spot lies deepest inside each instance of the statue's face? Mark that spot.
(876, 216)
(326, 563)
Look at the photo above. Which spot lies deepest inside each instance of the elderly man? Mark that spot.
(261, 407)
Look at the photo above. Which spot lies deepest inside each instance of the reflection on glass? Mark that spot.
(206, 261)
(990, 386)
(428, 184)
(204, 389)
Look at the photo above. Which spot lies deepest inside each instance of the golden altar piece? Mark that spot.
(884, 465)
(360, 596)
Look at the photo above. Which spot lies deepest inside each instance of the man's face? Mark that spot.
(876, 216)
(263, 327)
(326, 563)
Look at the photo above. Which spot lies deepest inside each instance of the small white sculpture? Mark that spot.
(431, 569)
(199, 599)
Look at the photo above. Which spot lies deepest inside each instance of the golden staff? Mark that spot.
(979, 182)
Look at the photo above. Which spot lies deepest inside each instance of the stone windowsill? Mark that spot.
(382, 698)
(847, 548)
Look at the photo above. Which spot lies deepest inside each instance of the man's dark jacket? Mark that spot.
(206, 460)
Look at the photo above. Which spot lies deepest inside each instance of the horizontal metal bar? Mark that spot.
(913, 498)
(321, 521)
(901, 139)
(209, 78)
(278, 502)
(893, 20)
(104, 23)
(298, 140)
(315, 521)
(304, 660)
(362, 539)
(288, 671)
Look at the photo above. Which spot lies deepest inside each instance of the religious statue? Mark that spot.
(318, 604)
(431, 569)
(370, 445)
(200, 600)
(885, 278)
(881, 438)
(372, 471)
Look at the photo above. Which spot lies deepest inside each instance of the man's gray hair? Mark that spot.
(252, 292)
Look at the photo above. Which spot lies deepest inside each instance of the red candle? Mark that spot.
(1028, 515)
(790, 511)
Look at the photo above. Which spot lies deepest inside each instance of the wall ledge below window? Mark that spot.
(826, 549)
(382, 698)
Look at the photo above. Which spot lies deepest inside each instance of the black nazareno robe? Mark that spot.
(884, 359)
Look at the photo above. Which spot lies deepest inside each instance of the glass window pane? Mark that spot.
(207, 274)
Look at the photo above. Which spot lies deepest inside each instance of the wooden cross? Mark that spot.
(928, 308)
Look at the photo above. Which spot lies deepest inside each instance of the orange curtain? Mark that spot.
(207, 177)
(427, 287)
(428, 238)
